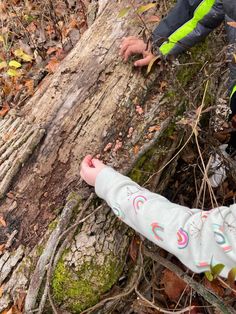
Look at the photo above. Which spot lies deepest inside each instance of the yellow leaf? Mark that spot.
(26, 58)
(151, 63)
(1, 38)
(144, 8)
(14, 64)
(12, 72)
(22, 55)
(123, 12)
(234, 57)
(3, 65)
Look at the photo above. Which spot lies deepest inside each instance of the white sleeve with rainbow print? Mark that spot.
(197, 238)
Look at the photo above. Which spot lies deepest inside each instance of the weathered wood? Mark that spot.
(90, 101)
(87, 103)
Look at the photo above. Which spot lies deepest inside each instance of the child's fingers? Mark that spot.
(131, 50)
(131, 41)
(86, 162)
(124, 39)
(125, 45)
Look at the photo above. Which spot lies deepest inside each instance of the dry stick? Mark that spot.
(212, 195)
(188, 308)
(182, 294)
(203, 185)
(225, 284)
(151, 304)
(216, 301)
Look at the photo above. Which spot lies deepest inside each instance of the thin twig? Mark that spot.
(216, 301)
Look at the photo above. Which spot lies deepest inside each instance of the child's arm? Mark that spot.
(198, 238)
(185, 25)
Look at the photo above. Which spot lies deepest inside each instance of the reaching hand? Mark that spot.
(133, 45)
(90, 168)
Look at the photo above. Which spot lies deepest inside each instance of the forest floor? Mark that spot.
(34, 39)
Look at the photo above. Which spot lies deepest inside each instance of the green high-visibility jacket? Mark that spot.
(190, 21)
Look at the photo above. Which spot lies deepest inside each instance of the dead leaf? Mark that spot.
(29, 84)
(214, 286)
(163, 86)
(3, 222)
(52, 65)
(136, 149)
(20, 302)
(51, 50)
(233, 24)
(154, 128)
(174, 286)
(134, 248)
(153, 19)
(4, 110)
(2, 248)
(31, 27)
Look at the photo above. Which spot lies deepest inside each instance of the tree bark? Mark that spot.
(88, 103)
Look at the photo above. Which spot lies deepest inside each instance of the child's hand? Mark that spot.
(89, 169)
(133, 45)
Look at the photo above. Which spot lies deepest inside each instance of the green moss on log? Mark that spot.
(78, 290)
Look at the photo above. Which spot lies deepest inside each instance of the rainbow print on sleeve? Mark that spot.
(182, 238)
(221, 238)
(138, 202)
(156, 228)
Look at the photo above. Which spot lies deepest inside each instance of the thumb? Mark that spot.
(144, 61)
(97, 163)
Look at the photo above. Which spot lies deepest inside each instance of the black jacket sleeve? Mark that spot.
(187, 24)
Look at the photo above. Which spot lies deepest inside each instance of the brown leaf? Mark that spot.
(2, 247)
(136, 149)
(20, 301)
(29, 84)
(51, 50)
(31, 27)
(153, 19)
(173, 285)
(134, 248)
(52, 65)
(233, 24)
(3, 222)
(214, 286)
(154, 128)
(163, 86)
(4, 110)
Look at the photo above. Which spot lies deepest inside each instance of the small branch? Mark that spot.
(200, 289)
